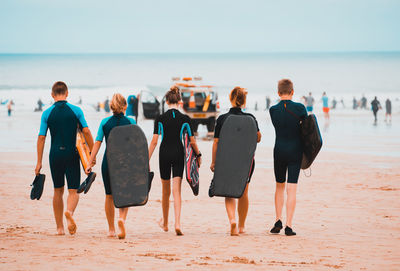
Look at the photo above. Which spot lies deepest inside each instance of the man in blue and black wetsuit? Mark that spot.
(63, 120)
(288, 152)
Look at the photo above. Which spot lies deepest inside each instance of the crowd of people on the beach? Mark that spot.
(63, 118)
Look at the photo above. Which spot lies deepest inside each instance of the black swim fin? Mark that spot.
(151, 176)
(37, 187)
(211, 189)
(85, 186)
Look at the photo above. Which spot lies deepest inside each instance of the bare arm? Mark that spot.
(40, 147)
(153, 145)
(92, 158)
(214, 154)
(88, 137)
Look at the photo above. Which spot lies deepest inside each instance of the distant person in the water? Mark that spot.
(9, 107)
(363, 102)
(325, 105)
(388, 115)
(97, 107)
(256, 107)
(107, 105)
(310, 103)
(267, 103)
(376, 105)
(334, 103)
(80, 100)
(355, 103)
(342, 102)
(132, 106)
(40, 106)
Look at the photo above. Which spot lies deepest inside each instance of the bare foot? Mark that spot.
(121, 226)
(178, 232)
(241, 230)
(234, 231)
(111, 233)
(60, 231)
(162, 226)
(71, 223)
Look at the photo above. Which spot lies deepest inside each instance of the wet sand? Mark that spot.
(347, 218)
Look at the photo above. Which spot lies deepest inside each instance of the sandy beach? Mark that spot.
(347, 218)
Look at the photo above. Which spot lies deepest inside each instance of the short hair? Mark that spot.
(59, 88)
(118, 103)
(285, 86)
(238, 96)
(173, 95)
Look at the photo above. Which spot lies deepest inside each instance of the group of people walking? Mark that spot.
(63, 118)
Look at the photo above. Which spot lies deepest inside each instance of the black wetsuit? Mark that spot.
(220, 121)
(170, 126)
(105, 128)
(375, 104)
(63, 119)
(288, 150)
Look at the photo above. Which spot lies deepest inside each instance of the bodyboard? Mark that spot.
(83, 148)
(312, 140)
(235, 153)
(191, 164)
(128, 164)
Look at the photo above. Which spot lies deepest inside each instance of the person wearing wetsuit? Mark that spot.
(170, 126)
(288, 152)
(118, 106)
(63, 119)
(376, 105)
(238, 100)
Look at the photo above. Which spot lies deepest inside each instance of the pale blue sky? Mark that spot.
(117, 26)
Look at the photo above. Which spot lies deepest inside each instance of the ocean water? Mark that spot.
(25, 78)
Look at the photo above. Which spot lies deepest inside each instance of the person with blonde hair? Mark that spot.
(171, 157)
(237, 98)
(118, 106)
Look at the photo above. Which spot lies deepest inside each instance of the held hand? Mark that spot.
(38, 168)
(88, 170)
(93, 162)
(212, 167)
(198, 161)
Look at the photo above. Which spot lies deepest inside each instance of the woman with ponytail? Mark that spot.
(238, 101)
(171, 157)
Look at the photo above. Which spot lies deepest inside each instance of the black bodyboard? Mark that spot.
(128, 165)
(311, 139)
(235, 153)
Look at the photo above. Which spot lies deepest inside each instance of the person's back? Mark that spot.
(310, 102)
(288, 152)
(170, 125)
(325, 101)
(375, 104)
(388, 106)
(286, 117)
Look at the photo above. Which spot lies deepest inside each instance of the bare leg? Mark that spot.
(243, 207)
(110, 213)
(230, 205)
(123, 212)
(176, 191)
(72, 202)
(291, 202)
(166, 192)
(279, 199)
(58, 208)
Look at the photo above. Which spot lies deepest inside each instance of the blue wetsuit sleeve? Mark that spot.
(132, 121)
(43, 123)
(100, 132)
(79, 114)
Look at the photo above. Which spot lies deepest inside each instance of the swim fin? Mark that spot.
(37, 186)
(211, 189)
(85, 186)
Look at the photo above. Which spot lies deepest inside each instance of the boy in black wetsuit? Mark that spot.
(63, 119)
(288, 152)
